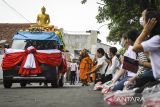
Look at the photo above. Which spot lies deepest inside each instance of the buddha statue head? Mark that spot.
(43, 10)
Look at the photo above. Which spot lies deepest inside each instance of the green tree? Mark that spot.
(122, 14)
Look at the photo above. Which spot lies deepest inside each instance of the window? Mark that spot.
(38, 44)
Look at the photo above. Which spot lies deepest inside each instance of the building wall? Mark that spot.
(7, 30)
(79, 40)
(104, 46)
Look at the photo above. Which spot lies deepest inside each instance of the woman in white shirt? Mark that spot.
(101, 65)
(151, 23)
(115, 61)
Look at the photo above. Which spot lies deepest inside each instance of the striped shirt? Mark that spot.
(143, 58)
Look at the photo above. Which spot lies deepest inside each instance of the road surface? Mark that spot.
(39, 96)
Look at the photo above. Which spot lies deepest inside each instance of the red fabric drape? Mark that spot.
(63, 67)
(12, 59)
(50, 59)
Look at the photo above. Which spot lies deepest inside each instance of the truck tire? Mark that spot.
(23, 84)
(54, 85)
(7, 84)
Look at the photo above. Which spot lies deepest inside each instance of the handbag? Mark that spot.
(103, 76)
(130, 64)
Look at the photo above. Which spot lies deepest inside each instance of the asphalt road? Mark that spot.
(39, 96)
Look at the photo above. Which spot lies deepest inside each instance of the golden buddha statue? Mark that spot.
(43, 19)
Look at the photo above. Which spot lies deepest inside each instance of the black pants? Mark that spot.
(103, 78)
(73, 76)
(106, 78)
(145, 82)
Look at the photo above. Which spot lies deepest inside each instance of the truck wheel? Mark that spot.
(23, 84)
(54, 84)
(61, 82)
(7, 84)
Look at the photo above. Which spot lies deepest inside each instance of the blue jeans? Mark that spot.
(120, 84)
(146, 77)
(147, 74)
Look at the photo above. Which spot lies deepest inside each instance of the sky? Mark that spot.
(70, 15)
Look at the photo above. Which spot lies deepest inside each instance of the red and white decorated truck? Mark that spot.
(34, 57)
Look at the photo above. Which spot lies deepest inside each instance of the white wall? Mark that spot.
(80, 40)
(104, 46)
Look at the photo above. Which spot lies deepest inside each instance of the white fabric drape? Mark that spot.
(30, 61)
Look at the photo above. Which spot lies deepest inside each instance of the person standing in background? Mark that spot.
(73, 69)
(77, 73)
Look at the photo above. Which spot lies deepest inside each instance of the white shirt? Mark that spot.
(131, 54)
(114, 67)
(102, 61)
(153, 46)
(73, 66)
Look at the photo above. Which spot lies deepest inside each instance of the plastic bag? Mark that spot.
(151, 96)
(98, 86)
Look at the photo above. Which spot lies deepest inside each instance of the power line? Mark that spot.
(15, 11)
(101, 26)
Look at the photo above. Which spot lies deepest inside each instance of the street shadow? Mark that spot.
(37, 86)
(44, 87)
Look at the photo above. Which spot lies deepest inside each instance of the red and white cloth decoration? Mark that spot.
(30, 59)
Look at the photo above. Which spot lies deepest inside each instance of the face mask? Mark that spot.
(141, 21)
